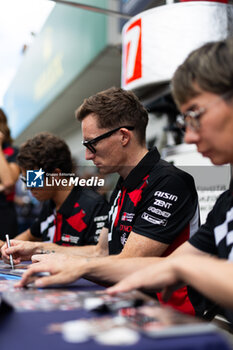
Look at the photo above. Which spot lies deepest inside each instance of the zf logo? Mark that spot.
(35, 178)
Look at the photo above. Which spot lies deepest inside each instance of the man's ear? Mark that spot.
(125, 136)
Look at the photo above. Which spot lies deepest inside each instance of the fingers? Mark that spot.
(3, 251)
(120, 287)
(169, 289)
(60, 273)
(29, 275)
(13, 250)
(134, 281)
(6, 252)
(16, 261)
(39, 257)
(33, 275)
(14, 242)
(49, 281)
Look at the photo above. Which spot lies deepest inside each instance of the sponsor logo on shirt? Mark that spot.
(126, 228)
(127, 216)
(70, 239)
(124, 238)
(100, 218)
(166, 195)
(100, 224)
(97, 235)
(159, 212)
(153, 219)
(162, 204)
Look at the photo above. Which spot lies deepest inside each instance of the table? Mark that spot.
(27, 330)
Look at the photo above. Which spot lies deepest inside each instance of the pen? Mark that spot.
(8, 245)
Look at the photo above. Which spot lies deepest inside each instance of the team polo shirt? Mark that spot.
(158, 201)
(78, 221)
(215, 237)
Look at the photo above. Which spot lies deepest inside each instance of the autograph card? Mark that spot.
(125, 327)
(6, 269)
(64, 299)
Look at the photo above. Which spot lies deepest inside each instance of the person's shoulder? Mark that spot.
(225, 198)
(10, 150)
(163, 168)
(172, 177)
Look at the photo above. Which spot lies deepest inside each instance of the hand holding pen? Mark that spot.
(8, 245)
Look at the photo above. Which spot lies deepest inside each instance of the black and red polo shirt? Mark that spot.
(158, 201)
(78, 221)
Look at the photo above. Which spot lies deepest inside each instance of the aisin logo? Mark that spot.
(35, 178)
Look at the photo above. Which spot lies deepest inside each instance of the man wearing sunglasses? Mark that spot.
(153, 206)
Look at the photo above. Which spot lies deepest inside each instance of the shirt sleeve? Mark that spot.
(166, 209)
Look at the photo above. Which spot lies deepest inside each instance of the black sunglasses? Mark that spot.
(89, 144)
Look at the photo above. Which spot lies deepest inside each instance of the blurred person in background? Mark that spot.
(27, 206)
(9, 173)
(70, 215)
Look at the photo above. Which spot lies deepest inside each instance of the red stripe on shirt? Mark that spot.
(58, 223)
(179, 299)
